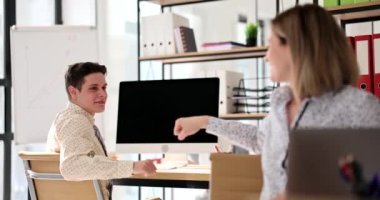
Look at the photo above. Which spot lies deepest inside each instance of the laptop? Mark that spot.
(322, 163)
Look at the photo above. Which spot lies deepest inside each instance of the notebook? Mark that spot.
(324, 162)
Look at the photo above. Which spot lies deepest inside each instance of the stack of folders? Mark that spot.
(184, 39)
(367, 49)
(214, 46)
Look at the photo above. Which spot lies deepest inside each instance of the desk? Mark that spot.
(190, 176)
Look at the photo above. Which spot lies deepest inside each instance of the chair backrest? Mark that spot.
(46, 182)
(235, 176)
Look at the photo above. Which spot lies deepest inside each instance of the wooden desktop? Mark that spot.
(189, 176)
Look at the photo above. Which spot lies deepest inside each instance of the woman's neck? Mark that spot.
(293, 106)
(297, 99)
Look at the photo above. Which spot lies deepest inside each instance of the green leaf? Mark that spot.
(251, 30)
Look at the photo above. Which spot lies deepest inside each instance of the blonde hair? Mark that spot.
(323, 58)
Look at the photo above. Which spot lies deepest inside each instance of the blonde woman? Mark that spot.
(309, 51)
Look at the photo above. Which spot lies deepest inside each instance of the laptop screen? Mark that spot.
(327, 161)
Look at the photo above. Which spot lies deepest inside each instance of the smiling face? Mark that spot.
(279, 58)
(92, 95)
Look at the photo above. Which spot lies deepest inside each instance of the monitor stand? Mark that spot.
(188, 158)
(176, 157)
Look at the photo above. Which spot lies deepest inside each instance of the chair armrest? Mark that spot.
(44, 176)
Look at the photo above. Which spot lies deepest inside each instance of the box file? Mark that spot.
(346, 2)
(184, 40)
(158, 33)
(329, 3)
(227, 81)
(149, 45)
(363, 45)
(376, 63)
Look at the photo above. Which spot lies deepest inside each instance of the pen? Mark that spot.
(217, 148)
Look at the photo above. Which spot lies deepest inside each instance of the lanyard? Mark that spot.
(284, 163)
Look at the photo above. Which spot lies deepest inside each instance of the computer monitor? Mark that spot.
(148, 110)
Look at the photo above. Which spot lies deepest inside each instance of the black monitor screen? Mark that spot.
(148, 109)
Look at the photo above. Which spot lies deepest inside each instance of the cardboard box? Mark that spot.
(235, 176)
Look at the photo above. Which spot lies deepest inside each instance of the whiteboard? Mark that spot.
(40, 57)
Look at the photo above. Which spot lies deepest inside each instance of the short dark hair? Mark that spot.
(76, 73)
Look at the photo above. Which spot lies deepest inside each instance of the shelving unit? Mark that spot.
(240, 53)
(239, 116)
(359, 12)
(355, 13)
(204, 56)
(177, 2)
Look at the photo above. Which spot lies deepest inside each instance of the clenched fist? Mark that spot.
(187, 126)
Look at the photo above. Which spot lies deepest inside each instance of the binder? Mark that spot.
(346, 2)
(363, 45)
(157, 33)
(149, 45)
(329, 3)
(170, 22)
(227, 81)
(159, 36)
(376, 63)
(184, 39)
(361, 1)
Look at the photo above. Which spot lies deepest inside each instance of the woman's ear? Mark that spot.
(73, 92)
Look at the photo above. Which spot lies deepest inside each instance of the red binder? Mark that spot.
(363, 44)
(376, 63)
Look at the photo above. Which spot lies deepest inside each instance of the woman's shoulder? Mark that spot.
(354, 100)
(363, 107)
(354, 95)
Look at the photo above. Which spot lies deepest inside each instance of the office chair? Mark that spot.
(235, 176)
(46, 182)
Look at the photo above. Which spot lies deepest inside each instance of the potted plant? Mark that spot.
(251, 34)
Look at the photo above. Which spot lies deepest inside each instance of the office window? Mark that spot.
(119, 47)
(28, 13)
(81, 12)
(1, 110)
(1, 167)
(19, 182)
(1, 41)
(36, 12)
(1, 97)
